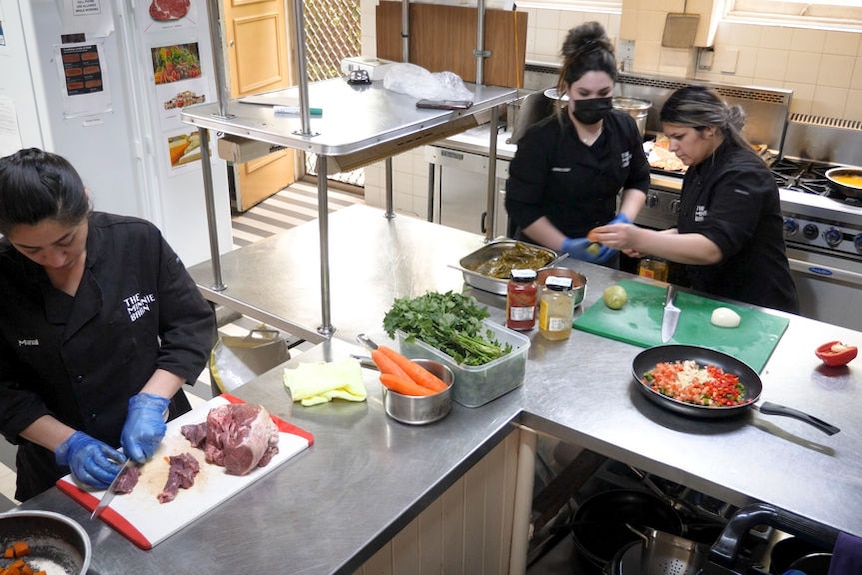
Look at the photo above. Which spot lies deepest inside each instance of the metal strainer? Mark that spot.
(667, 554)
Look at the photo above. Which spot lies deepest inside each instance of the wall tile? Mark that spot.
(802, 99)
(829, 102)
(747, 62)
(853, 110)
(771, 64)
(647, 56)
(806, 40)
(856, 78)
(570, 19)
(835, 71)
(803, 67)
(777, 38)
(843, 43)
(547, 19)
(651, 25)
(745, 35)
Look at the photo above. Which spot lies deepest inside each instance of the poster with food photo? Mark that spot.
(184, 148)
(175, 63)
(168, 14)
(174, 97)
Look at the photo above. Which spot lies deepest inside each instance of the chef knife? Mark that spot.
(671, 315)
(110, 492)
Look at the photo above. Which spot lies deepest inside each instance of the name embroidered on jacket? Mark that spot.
(700, 213)
(137, 305)
(625, 159)
(27, 342)
(559, 169)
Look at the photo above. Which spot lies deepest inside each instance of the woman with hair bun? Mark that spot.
(729, 234)
(569, 169)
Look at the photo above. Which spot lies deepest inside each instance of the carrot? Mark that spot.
(386, 365)
(20, 549)
(591, 235)
(416, 372)
(403, 386)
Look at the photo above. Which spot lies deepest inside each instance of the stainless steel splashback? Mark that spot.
(766, 109)
(824, 139)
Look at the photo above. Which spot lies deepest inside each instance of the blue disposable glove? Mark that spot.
(620, 218)
(577, 248)
(90, 461)
(145, 425)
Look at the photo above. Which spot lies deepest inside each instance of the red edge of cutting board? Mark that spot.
(622, 325)
(89, 502)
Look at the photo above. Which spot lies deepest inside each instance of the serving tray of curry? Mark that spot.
(143, 519)
(638, 322)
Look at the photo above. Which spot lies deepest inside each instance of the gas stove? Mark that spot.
(816, 215)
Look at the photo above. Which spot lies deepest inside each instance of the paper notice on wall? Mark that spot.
(83, 76)
(91, 17)
(10, 136)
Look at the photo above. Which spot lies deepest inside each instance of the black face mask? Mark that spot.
(593, 110)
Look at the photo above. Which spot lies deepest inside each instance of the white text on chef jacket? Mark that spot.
(137, 305)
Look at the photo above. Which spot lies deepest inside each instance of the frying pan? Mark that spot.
(647, 360)
(850, 191)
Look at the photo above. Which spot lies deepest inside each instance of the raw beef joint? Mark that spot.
(196, 433)
(240, 437)
(162, 10)
(181, 473)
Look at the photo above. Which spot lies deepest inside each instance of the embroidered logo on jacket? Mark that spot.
(28, 342)
(625, 159)
(137, 305)
(700, 213)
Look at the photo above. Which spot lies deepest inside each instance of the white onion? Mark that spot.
(724, 317)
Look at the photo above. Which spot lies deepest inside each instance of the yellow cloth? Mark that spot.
(313, 383)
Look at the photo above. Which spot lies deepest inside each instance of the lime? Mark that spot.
(593, 249)
(615, 296)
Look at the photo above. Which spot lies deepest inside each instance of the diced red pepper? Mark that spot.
(836, 353)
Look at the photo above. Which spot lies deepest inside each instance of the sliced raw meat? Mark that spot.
(128, 479)
(181, 473)
(169, 9)
(196, 433)
(240, 437)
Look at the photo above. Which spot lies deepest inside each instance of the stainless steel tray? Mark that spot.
(493, 249)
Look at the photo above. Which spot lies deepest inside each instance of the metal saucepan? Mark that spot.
(847, 181)
(647, 360)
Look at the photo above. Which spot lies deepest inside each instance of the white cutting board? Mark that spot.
(143, 520)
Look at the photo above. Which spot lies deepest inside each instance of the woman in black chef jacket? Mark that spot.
(569, 168)
(101, 327)
(729, 233)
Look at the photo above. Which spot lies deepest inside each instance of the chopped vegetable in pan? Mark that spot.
(700, 385)
(521, 256)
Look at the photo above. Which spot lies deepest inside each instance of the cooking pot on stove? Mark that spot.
(637, 109)
(847, 181)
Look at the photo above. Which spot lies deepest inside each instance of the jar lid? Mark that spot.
(523, 275)
(558, 283)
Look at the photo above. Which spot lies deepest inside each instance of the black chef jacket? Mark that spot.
(732, 199)
(575, 186)
(81, 358)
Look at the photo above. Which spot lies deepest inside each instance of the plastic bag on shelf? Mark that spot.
(418, 82)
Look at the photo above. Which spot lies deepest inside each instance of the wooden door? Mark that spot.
(259, 59)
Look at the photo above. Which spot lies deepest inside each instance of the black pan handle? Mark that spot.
(770, 408)
(725, 550)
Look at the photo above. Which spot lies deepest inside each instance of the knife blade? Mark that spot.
(110, 492)
(671, 315)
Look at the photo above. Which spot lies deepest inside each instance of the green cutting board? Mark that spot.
(639, 323)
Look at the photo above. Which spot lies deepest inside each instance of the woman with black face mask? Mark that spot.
(571, 167)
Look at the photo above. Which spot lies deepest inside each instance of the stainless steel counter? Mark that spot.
(333, 506)
(373, 260)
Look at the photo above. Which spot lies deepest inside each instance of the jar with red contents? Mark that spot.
(521, 298)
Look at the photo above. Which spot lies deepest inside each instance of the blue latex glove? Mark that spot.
(91, 461)
(145, 425)
(620, 218)
(577, 248)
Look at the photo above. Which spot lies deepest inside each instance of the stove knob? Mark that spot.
(791, 226)
(651, 200)
(810, 231)
(674, 207)
(832, 236)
